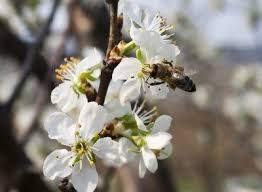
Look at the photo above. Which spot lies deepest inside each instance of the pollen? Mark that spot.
(66, 71)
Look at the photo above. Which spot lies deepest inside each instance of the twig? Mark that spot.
(105, 78)
(31, 56)
(114, 30)
(107, 71)
(14, 47)
(110, 64)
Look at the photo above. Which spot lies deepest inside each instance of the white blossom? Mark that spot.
(76, 77)
(84, 145)
(151, 33)
(143, 139)
(155, 145)
(137, 76)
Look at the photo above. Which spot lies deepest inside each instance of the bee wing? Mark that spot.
(191, 72)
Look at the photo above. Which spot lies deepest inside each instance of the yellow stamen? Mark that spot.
(64, 70)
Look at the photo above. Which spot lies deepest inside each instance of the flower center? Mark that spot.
(83, 149)
(145, 71)
(82, 85)
(139, 141)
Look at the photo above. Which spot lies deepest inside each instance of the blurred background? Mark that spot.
(217, 130)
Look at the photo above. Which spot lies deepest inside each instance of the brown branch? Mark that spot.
(14, 47)
(105, 78)
(114, 33)
(65, 186)
(31, 56)
(110, 63)
(109, 66)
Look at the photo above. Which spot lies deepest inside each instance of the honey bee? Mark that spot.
(173, 76)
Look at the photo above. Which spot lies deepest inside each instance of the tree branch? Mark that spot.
(115, 33)
(105, 78)
(14, 47)
(110, 63)
(31, 56)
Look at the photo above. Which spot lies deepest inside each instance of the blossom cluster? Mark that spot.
(120, 131)
(243, 104)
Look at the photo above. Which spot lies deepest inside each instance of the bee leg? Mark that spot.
(156, 83)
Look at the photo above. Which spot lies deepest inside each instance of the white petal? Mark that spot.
(140, 123)
(125, 145)
(147, 40)
(133, 11)
(64, 96)
(159, 91)
(158, 140)
(86, 179)
(141, 168)
(128, 67)
(113, 91)
(57, 164)
(149, 159)
(152, 21)
(92, 59)
(116, 109)
(165, 152)
(177, 51)
(130, 90)
(108, 150)
(92, 119)
(162, 123)
(60, 127)
(167, 52)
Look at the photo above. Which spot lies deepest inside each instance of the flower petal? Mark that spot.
(140, 123)
(167, 52)
(158, 140)
(57, 164)
(133, 11)
(60, 127)
(92, 119)
(162, 123)
(108, 150)
(130, 90)
(93, 58)
(125, 145)
(143, 37)
(149, 158)
(64, 96)
(113, 91)
(147, 40)
(128, 67)
(141, 168)
(116, 109)
(159, 91)
(85, 179)
(165, 152)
